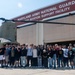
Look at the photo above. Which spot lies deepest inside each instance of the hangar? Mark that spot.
(44, 33)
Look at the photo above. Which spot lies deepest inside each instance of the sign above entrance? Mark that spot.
(48, 12)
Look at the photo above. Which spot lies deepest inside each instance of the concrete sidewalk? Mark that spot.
(36, 72)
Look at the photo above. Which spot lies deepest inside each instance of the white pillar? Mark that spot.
(39, 34)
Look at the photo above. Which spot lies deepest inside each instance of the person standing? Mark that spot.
(45, 58)
(17, 56)
(34, 61)
(12, 54)
(7, 50)
(71, 56)
(2, 56)
(39, 56)
(65, 56)
(50, 55)
(74, 55)
(60, 57)
(54, 58)
(29, 55)
(23, 55)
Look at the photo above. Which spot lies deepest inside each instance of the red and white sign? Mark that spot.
(50, 11)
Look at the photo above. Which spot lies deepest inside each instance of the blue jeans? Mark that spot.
(23, 61)
(60, 62)
(39, 61)
(50, 62)
(65, 61)
(54, 60)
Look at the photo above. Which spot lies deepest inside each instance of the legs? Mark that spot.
(50, 62)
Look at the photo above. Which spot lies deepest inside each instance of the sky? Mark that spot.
(13, 8)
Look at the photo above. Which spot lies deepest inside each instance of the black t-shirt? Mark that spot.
(24, 52)
(45, 54)
(39, 51)
(18, 53)
(60, 53)
(50, 53)
(54, 52)
(2, 51)
(71, 54)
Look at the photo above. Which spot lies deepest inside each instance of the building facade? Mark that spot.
(41, 33)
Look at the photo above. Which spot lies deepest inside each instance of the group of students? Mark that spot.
(50, 56)
(59, 56)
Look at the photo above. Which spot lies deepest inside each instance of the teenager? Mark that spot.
(50, 56)
(12, 54)
(71, 56)
(17, 56)
(45, 58)
(23, 55)
(65, 56)
(29, 55)
(60, 57)
(34, 61)
(2, 57)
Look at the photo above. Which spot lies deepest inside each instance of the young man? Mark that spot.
(12, 56)
(74, 55)
(23, 55)
(34, 60)
(50, 56)
(65, 56)
(45, 58)
(7, 50)
(2, 57)
(60, 57)
(17, 56)
(71, 56)
(29, 55)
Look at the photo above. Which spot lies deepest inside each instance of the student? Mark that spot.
(2, 57)
(34, 61)
(7, 50)
(50, 56)
(54, 56)
(74, 55)
(45, 58)
(17, 56)
(71, 56)
(23, 55)
(60, 57)
(39, 56)
(65, 56)
(12, 56)
(29, 55)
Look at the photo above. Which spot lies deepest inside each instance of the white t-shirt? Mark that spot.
(65, 52)
(34, 53)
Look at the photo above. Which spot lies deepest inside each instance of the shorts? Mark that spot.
(2, 57)
(6, 58)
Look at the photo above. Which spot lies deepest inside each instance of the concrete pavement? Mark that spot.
(30, 71)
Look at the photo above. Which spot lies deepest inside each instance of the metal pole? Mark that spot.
(34, 22)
